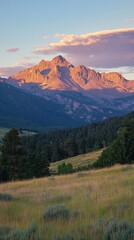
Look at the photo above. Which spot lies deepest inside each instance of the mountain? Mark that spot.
(59, 74)
(21, 109)
(83, 94)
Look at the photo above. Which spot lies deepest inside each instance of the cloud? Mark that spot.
(45, 37)
(13, 50)
(45, 50)
(127, 72)
(110, 48)
(25, 64)
(131, 20)
(11, 70)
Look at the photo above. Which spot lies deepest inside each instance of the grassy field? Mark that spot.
(91, 198)
(3, 131)
(78, 161)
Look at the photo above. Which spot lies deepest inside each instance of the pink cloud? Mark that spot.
(111, 48)
(45, 50)
(127, 72)
(19, 66)
(8, 71)
(131, 20)
(13, 50)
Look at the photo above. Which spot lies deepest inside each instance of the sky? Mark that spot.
(96, 33)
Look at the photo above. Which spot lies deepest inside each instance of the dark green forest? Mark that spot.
(60, 144)
(122, 149)
(66, 143)
(16, 163)
(28, 157)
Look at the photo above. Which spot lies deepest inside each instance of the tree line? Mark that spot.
(29, 157)
(122, 148)
(61, 144)
(16, 163)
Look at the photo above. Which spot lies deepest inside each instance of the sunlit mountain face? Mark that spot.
(83, 94)
(59, 74)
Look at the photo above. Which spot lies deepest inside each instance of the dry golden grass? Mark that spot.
(78, 161)
(106, 193)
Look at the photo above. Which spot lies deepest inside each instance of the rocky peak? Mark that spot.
(42, 62)
(42, 65)
(114, 77)
(60, 74)
(60, 61)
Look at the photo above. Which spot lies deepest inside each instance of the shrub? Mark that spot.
(127, 168)
(8, 233)
(5, 232)
(56, 211)
(96, 229)
(65, 168)
(6, 197)
(119, 231)
(30, 232)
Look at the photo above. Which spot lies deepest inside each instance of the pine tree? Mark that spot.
(17, 164)
(11, 151)
(122, 149)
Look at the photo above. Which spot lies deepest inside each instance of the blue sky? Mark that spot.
(32, 30)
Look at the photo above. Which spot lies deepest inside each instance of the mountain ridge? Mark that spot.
(83, 94)
(21, 109)
(60, 74)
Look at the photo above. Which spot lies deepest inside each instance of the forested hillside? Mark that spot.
(60, 144)
(29, 157)
(122, 149)
(20, 109)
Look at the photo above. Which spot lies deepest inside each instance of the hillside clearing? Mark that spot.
(78, 161)
(25, 133)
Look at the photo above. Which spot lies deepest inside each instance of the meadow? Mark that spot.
(78, 161)
(88, 203)
(3, 131)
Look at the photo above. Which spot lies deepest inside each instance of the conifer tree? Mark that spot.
(11, 151)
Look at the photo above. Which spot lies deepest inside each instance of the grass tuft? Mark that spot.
(8, 233)
(56, 211)
(119, 231)
(126, 168)
(6, 197)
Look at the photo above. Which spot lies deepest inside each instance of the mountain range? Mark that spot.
(79, 94)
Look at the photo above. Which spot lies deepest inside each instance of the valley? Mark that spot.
(66, 120)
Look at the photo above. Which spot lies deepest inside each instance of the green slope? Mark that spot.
(78, 161)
